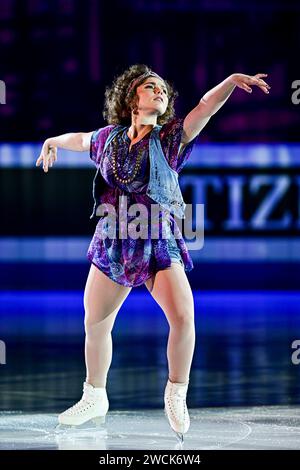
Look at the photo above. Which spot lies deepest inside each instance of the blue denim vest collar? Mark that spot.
(163, 186)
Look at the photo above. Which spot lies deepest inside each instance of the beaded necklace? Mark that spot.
(135, 169)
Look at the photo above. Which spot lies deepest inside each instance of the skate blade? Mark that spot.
(93, 423)
(179, 436)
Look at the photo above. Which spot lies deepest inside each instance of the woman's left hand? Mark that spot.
(245, 81)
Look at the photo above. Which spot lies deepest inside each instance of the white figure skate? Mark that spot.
(175, 408)
(93, 406)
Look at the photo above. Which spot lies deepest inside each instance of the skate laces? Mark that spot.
(176, 401)
(175, 406)
(82, 404)
(88, 398)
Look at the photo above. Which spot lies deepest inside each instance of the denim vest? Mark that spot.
(163, 186)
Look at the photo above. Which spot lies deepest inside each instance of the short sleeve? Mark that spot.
(97, 143)
(171, 136)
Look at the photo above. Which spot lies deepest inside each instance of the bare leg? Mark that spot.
(171, 290)
(103, 299)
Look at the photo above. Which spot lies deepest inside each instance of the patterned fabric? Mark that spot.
(129, 261)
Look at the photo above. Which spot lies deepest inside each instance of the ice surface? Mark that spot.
(261, 427)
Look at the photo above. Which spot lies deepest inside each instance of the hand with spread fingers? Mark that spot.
(48, 155)
(246, 81)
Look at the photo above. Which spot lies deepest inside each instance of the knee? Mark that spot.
(182, 318)
(99, 321)
(95, 327)
(91, 328)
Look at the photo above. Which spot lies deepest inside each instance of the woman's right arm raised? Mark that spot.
(78, 141)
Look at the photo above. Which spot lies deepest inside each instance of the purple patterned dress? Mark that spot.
(129, 261)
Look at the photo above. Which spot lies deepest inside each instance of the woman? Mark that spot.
(139, 155)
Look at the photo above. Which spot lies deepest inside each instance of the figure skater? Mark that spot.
(139, 155)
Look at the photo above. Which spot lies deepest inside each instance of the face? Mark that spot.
(153, 95)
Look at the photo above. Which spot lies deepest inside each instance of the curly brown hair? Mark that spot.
(118, 105)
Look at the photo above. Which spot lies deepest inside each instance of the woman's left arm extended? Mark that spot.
(214, 99)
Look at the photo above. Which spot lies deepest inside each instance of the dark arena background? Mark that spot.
(56, 59)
